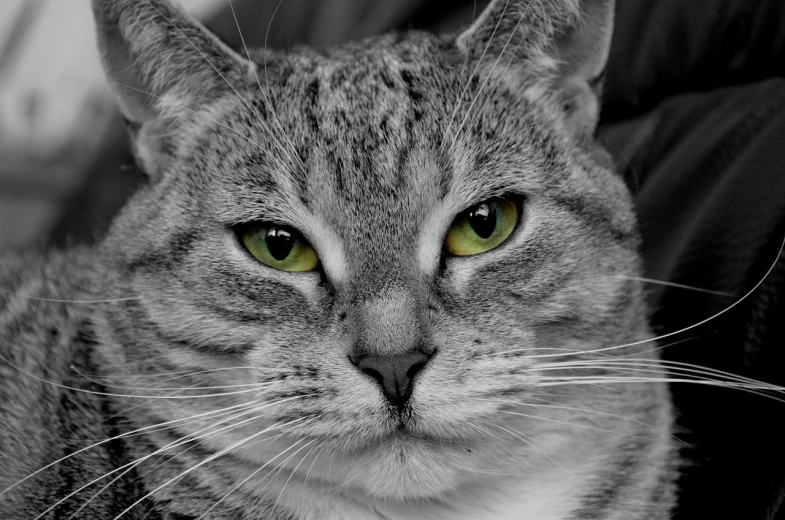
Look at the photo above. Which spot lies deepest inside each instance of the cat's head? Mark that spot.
(373, 248)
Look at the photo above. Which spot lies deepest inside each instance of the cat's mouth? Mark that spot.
(407, 435)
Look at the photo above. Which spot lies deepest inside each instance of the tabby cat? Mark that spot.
(372, 281)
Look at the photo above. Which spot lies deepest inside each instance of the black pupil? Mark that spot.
(482, 219)
(279, 242)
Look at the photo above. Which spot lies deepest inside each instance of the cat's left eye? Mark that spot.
(482, 227)
(280, 247)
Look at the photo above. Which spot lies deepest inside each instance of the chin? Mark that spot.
(405, 469)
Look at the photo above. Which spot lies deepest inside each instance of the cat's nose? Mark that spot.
(394, 373)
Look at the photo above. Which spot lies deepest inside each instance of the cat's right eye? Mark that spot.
(280, 247)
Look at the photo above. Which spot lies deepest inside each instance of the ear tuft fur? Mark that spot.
(162, 66)
(558, 47)
(151, 48)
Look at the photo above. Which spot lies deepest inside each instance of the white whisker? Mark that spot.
(676, 285)
(131, 465)
(572, 425)
(532, 445)
(474, 72)
(249, 477)
(690, 327)
(280, 494)
(490, 73)
(81, 302)
(174, 444)
(265, 98)
(115, 438)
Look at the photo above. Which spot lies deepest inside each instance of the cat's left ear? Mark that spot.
(549, 47)
(164, 68)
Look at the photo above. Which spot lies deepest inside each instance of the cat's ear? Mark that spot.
(162, 67)
(552, 47)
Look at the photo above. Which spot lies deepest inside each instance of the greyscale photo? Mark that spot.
(392, 259)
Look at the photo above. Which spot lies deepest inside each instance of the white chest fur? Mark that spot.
(550, 496)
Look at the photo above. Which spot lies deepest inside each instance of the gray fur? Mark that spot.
(369, 149)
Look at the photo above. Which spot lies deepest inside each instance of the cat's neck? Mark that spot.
(547, 491)
(551, 495)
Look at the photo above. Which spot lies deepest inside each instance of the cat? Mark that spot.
(381, 280)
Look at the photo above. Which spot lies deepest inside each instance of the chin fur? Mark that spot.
(406, 469)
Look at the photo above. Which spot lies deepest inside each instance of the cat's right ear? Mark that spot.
(162, 66)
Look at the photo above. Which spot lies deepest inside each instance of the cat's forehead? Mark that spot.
(383, 132)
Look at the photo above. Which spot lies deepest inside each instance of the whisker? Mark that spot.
(280, 494)
(595, 412)
(206, 59)
(534, 349)
(211, 458)
(547, 419)
(249, 477)
(228, 83)
(174, 444)
(462, 90)
(578, 351)
(702, 375)
(690, 327)
(131, 465)
(579, 380)
(269, 440)
(200, 114)
(661, 365)
(488, 98)
(334, 490)
(493, 68)
(658, 348)
(176, 375)
(676, 285)
(265, 98)
(267, 79)
(115, 438)
(466, 59)
(474, 72)
(153, 388)
(484, 471)
(82, 302)
(313, 463)
(532, 445)
(130, 396)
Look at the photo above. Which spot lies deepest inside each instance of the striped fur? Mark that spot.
(370, 149)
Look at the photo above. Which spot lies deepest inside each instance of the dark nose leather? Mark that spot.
(394, 373)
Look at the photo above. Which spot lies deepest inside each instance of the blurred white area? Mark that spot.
(54, 108)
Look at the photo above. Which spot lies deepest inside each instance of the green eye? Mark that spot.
(280, 247)
(482, 227)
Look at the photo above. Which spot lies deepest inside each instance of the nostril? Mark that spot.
(414, 369)
(373, 373)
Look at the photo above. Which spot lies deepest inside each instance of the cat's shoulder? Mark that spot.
(51, 396)
(44, 296)
(27, 276)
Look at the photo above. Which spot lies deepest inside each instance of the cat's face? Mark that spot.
(371, 152)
